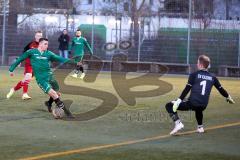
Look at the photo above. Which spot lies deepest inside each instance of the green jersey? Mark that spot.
(77, 45)
(40, 62)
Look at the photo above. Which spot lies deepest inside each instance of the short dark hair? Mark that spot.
(78, 30)
(204, 60)
(43, 39)
(38, 31)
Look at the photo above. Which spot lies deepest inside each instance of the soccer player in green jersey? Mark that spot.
(40, 58)
(77, 45)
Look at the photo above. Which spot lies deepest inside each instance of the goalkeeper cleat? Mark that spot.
(82, 75)
(200, 129)
(74, 75)
(10, 93)
(230, 100)
(49, 106)
(25, 96)
(178, 126)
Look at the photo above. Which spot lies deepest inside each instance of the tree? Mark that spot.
(135, 9)
(136, 13)
(203, 12)
(176, 6)
(227, 9)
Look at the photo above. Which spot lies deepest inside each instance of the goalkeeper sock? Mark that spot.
(178, 121)
(174, 116)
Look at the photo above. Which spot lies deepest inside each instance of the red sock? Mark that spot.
(25, 88)
(18, 86)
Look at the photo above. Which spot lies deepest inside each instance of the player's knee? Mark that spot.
(26, 82)
(169, 107)
(53, 94)
(79, 63)
(26, 79)
(28, 76)
(59, 94)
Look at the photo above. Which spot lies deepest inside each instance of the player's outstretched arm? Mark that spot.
(222, 91)
(71, 45)
(88, 46)
(57, 58)
(21, 58)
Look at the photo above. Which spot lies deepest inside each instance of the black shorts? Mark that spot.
(187, 105)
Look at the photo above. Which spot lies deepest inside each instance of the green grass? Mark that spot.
(27, 129)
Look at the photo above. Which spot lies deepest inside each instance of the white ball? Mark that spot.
(58, 113)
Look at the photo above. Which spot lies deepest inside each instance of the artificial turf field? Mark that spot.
(28, 131)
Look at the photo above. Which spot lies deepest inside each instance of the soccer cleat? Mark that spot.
(82, 75)
(25, 96)
(74, 75)
(49, 106)
(10, 93)
(178, 126)
(200, 129)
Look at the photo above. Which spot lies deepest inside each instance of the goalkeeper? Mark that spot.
(40, 58)
(200, 83)
(77, 45)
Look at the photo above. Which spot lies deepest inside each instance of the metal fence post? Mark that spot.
(139, 40)
(189, 29)
(4, 31)
(93, 18)
(239, 49)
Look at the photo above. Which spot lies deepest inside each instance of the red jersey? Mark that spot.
(28, 66)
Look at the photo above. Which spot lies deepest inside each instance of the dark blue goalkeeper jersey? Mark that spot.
(201, 83)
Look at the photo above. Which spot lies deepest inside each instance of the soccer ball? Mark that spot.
(58, 113)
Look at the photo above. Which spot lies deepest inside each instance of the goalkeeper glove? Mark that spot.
(176, 104)
(230, 100)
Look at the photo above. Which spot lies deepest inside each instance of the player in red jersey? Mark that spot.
(28, 72)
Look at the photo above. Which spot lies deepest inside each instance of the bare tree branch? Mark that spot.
(19, 23)
(140, 7)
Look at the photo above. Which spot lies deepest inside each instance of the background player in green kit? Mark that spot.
(77, 45)
(40, 58)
